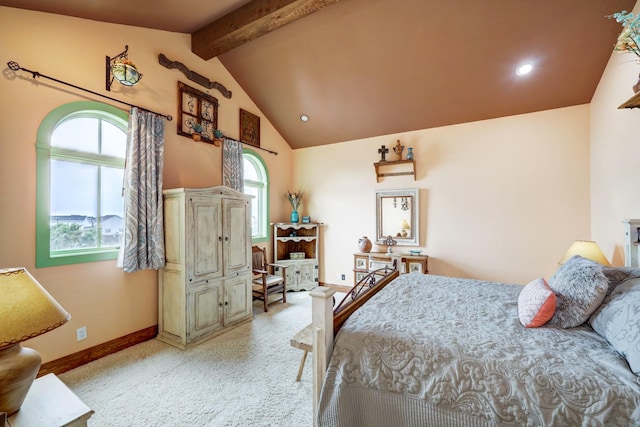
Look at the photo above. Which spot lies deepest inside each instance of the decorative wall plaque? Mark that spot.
(193, 76)
(196, 107)
(249, 128)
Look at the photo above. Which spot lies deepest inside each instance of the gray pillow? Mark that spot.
(580, 286)
(618, 321)
(617, 275)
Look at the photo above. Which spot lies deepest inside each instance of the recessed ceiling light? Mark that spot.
(524, 69)
(304, 117)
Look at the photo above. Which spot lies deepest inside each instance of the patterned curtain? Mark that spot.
(232, 175)
(142, 246)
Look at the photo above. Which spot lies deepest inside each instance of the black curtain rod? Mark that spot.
(15, 67)
(275, 153)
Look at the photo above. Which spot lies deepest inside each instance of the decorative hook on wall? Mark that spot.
(122, 69)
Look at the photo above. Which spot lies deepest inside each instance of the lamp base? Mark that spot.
(18, 368)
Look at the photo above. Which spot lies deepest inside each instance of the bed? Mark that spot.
(439, 351)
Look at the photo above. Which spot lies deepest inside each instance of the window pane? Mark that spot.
(112, 204)
(73, 205)
(255, 208)
(250, 171)
(114, 140)
(256, 184)
(79, 134)
(79, 206)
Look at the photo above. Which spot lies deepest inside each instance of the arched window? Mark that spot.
(80, 152)
(256, 183)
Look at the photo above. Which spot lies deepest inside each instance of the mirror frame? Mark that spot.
(414, 238)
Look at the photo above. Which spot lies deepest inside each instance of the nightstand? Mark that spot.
(50, 403)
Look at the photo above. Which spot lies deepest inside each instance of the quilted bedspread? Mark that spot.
(432, 350)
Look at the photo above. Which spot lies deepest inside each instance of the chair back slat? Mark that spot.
(257, 258)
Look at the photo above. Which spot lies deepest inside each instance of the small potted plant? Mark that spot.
(629, 39)
(295, 199)
(217, 137)
(196, 131)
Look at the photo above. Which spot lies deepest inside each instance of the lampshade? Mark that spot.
(404, 225)
(122, 69)
(26, 308)
(126, 73)
(26, 311)
(586, 249)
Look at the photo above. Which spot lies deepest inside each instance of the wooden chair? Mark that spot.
(265, 281)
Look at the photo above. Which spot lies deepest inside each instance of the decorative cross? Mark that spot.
(383, 152)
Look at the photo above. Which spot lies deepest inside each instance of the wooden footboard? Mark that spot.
(327, 320)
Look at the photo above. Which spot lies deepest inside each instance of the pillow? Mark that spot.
(580, 286)
(617, 275)
(618, 321)
(536, 304)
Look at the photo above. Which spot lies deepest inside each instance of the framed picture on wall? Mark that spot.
(249, 128)
(196, 107)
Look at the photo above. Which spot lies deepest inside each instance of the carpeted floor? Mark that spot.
(245, 377)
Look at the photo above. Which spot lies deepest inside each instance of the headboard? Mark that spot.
(631, 242)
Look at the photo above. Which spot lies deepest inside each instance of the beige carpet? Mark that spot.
(245, 377)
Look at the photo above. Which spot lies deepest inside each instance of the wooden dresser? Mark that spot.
(407, 263)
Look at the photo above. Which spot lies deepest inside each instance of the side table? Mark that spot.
(364, 262)
(50, 403)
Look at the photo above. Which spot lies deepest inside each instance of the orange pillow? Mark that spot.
(536, 304)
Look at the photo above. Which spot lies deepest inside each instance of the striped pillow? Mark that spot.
(536, 304)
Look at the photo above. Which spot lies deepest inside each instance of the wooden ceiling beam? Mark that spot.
(254, 19)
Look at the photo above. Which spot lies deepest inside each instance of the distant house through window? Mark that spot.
(80, 149)
(256, 183)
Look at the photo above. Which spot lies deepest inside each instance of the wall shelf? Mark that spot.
(382, 165)
(633, 102)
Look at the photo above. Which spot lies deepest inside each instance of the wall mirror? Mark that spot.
(397, 216)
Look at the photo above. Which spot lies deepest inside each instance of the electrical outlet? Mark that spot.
(343, 277)
(81, 333)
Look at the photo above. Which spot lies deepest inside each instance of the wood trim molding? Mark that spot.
(94, 353)
(248, 22)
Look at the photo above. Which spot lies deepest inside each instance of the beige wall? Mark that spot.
(499, 199)
(615, 155)
(98, 295)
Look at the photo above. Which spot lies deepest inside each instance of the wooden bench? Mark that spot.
(302, 340)
(362, 291)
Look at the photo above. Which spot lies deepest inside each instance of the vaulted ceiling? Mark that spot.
(361, 68)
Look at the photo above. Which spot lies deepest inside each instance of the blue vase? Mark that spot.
(410, 153)
(295, 217)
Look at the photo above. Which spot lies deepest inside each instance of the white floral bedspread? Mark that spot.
(433, 350)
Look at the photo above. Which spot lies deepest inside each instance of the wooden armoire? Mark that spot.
(205, 285)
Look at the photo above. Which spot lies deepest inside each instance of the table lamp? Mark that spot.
(404, 226)
(586, 249)
(26, 311)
